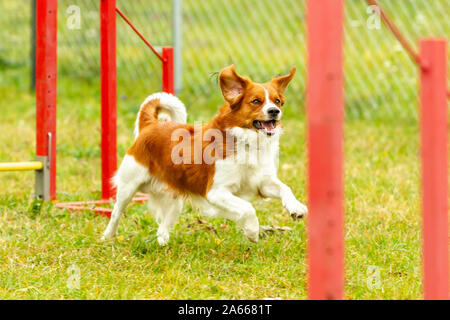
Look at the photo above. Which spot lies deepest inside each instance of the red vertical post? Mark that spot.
(109, 94)
(46, 71)
(433, 122)
(168, 70)
(325, 111)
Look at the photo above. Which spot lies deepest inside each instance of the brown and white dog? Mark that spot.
(218, 166)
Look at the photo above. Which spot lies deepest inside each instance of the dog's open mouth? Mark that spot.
(268, 127)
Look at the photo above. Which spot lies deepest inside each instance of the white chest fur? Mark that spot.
(255, 159)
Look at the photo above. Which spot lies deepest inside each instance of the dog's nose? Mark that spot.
(273, 112)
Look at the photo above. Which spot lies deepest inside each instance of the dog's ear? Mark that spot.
(232, 85)
(281, 82)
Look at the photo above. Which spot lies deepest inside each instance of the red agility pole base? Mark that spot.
(433, 123)
(325, 110)
(93, 206)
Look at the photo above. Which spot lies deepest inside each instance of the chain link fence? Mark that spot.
(262, 38)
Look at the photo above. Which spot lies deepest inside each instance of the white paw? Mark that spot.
(296, 209)
(163, 237)
(251, 228)
(108, 235)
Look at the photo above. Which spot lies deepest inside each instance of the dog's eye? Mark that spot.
(256, 101)
(277, 101)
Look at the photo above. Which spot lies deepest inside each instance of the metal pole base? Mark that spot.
(42, 179)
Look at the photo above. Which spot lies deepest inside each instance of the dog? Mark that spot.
(218, 166)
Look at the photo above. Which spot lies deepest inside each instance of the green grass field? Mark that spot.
(40, 245)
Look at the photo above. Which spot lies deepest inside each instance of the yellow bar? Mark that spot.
(21, 166)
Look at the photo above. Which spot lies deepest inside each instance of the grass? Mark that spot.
(41, 245)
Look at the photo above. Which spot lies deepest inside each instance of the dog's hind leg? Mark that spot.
(128, 179)
(167, 210)
(125, 193)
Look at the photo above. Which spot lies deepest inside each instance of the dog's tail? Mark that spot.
(159, 103)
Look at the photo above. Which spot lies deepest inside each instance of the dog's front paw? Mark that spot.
(296, 209)
(252, 235)
(251, 228)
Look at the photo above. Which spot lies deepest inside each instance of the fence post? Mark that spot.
(46, 71)
(325, 110)
(433, 121)
(109, 94)
(167, 70)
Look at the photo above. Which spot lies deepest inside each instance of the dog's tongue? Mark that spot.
(267, 125)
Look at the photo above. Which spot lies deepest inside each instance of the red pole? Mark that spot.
(109, 94)
(168, 70)
(46, 70)
(325, 109)
(433, 101)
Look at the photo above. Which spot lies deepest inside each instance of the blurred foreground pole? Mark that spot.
(433, 121)
(46, 64)
(325, 112)
(109, 94)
